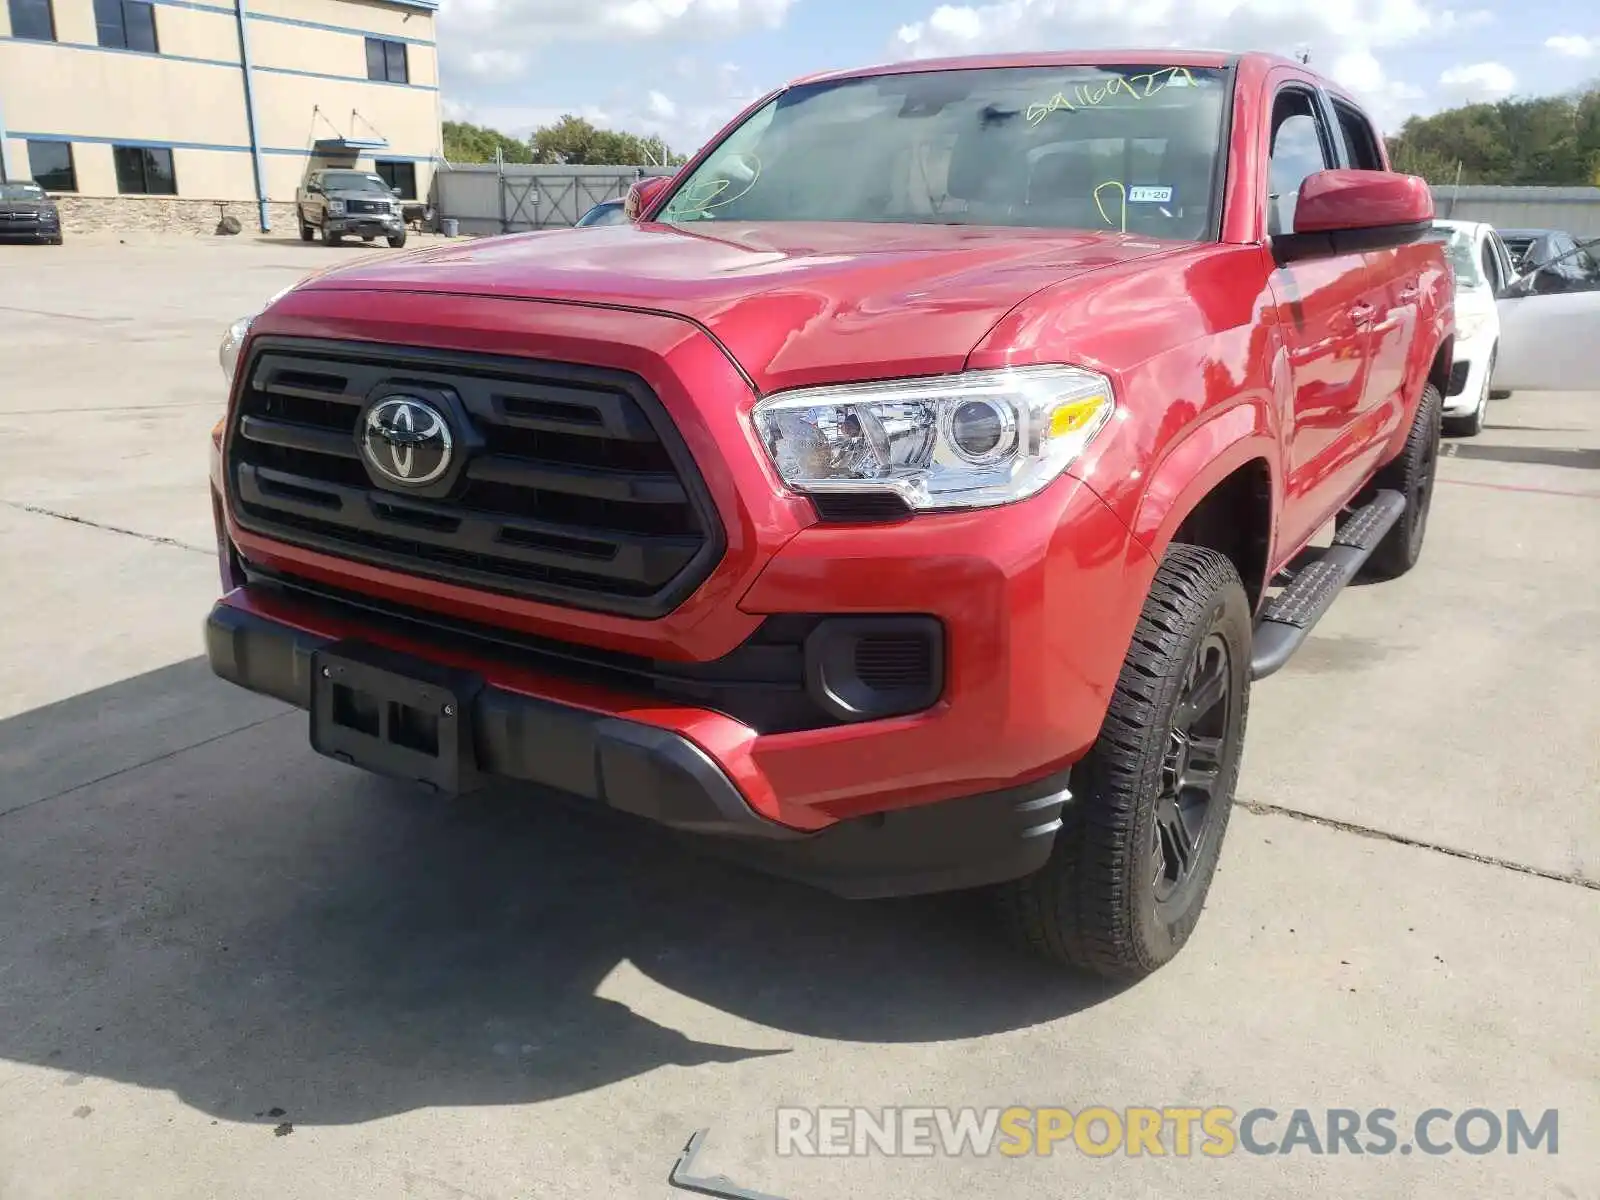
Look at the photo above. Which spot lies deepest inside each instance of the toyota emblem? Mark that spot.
(407, 441)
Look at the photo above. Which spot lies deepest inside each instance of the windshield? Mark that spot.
(21, 191)
(354, 181)
(605, 213)
(1129, 148)
(1458, 249)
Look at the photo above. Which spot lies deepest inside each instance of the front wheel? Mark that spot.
(306, 232)
(1129, 872)
(329, 237)
(396, 240)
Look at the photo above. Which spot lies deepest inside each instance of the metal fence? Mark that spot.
(510, 198)
(488, 199)
(1573, 209)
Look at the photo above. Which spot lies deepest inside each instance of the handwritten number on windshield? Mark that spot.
(1136, 87)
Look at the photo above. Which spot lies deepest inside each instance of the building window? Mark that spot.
(401, 176)
(144, 171)
(126, 25)
(386, 61)
(51, 166)
(32, 19)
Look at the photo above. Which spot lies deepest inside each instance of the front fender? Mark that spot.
(1195, 466)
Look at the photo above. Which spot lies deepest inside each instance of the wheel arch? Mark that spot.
(1220, 489)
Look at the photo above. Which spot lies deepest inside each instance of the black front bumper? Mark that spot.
(637, 768)
(32, 233)
(365, 226)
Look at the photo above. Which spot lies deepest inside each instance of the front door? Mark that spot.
(1549, 342)
(1325, 312)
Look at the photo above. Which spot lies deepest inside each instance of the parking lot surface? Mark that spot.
(229, 967)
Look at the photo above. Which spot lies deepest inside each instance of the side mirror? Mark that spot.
(642, 194)
(1346, 212)
(396, 192)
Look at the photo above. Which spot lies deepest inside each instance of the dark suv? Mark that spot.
(27, 213)
(353, 202)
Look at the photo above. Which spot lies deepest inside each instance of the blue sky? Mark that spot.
(680, 68)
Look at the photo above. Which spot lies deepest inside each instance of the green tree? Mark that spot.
(1547, 140)
(578, 142)
(467, 143)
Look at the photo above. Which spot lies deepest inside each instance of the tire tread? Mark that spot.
(1077, 909)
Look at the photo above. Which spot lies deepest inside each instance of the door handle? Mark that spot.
(1361, 314)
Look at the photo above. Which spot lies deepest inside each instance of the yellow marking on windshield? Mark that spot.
(700, 198)
(1122, 192)
(1136, 87)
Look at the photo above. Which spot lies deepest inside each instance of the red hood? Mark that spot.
(794, 304)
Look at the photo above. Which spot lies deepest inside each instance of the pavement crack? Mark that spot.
(61, 316)
(173, 753)
(153, 538)
(1260, 808)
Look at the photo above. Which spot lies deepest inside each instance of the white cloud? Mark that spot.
(1388, 101)
(497, 39)
(1344, 37)
(1573, 45)
(494, 64)
(1477, 83)
(684, 117)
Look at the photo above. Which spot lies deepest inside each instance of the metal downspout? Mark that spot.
(5, 157)
(250, 117)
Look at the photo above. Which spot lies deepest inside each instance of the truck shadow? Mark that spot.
(1576, 457)
(271, 936)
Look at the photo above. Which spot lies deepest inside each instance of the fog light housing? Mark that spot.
(868, 668)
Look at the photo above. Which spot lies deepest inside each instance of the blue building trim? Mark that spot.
(141, 143)
(223, 10)
(418, 87)
(232, 64)
(352, 31)
(302, 152)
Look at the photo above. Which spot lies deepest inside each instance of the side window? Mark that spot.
(1491, 266)
(1360, 143)
(1502, 256)
(1299, 148)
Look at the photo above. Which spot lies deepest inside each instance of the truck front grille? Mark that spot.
(575, 488)
(367, 206)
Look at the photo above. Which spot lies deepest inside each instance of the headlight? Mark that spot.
(336, 208)
(956, 441)
(233, 339)
(232, 342)
(1470, 324)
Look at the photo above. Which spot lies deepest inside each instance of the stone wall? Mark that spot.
(166, 214)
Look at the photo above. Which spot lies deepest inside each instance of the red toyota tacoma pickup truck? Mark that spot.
(905, 502)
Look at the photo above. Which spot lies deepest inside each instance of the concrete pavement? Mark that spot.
(228, 966)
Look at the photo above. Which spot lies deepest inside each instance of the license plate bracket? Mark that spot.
(395, 714)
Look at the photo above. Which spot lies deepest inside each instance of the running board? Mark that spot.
(1288, 618)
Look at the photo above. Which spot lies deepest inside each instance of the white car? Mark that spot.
(1549, 340)
(1483, 271)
